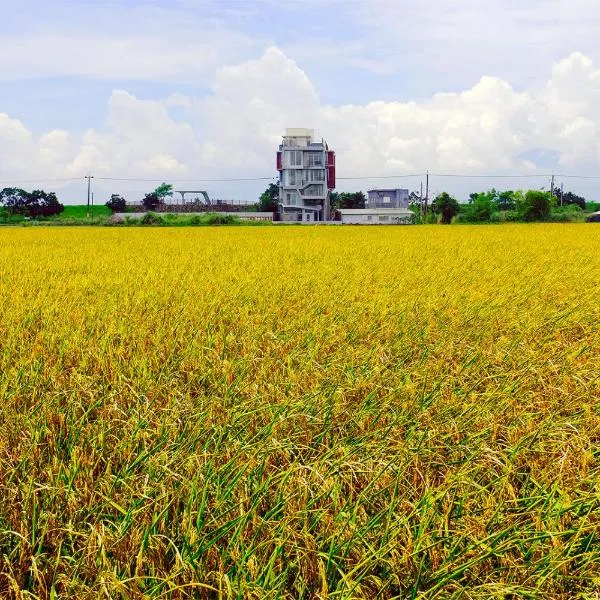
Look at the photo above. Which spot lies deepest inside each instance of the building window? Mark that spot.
(383, 218)
(294, 158)
(315, 159)
(369, 217)
(316, 175)
(294, 177)
(387, 200)
(313, 190)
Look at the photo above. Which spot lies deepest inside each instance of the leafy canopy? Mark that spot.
(446, 206)
(30, 204)
(348, 200)
(163, 191)
(269, 199)
(117, 203)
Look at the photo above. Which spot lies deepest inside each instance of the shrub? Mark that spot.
(219, 219)
(567, 213)
(480, 210)
(446, 206)
(151, 218)
(151, 201)
(535, 206)
(592, 206)
(512, 216)
(117, 203)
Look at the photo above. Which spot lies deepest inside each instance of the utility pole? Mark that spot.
(89, 178)
(552, 187)
(421, 200)
(561, 193)
(426, 194)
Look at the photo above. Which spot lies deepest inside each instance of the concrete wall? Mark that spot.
(243, 216)
(375, 217)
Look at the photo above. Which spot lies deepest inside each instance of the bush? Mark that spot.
(570, 213)
(117, 203)
(217, 219)
(151, 218)
(479, 211)
(568, 209)
(196, 220)
(535, 206)
(592, 206)
(6, 217)
(512, 216)
(446, 206)
(151, 201)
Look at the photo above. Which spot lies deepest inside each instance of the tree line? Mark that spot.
(150, 201)
(482, 207)
(494, 205)
(35, 204)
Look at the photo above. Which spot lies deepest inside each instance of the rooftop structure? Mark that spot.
(387, 198)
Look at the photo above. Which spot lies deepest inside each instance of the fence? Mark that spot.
(229, 206)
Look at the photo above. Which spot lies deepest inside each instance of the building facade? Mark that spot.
(376, 216)
(306, 176)
(387, 198)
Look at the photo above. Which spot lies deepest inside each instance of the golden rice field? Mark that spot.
(288, 412)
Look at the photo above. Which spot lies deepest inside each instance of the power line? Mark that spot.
(229, 180)
(382, 176)
(491, 176)
(7, 181)
(471, 176)
(348, 178)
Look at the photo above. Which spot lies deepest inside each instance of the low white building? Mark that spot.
(376, 216)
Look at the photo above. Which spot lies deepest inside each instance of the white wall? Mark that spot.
(373, 217)
(244, 216)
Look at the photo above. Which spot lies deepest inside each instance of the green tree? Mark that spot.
(569, 198)
(415, 209)
(414, 198)
(535, 205)
(347, 200)
(269, 199)
(506, 200)
(446, 206)
(480, 208)
(14, 199)
(37, 203)
(117, 203)
(151, 201)
(163, 191)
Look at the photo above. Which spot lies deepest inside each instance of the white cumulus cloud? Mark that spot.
(233, 131)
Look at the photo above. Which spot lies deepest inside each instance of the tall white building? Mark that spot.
(306, 176)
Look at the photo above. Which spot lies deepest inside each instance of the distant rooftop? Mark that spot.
(387, 190)
(299, 132)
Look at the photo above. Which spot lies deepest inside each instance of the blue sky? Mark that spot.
(470, 87)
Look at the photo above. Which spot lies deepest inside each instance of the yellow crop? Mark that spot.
(288, 412)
